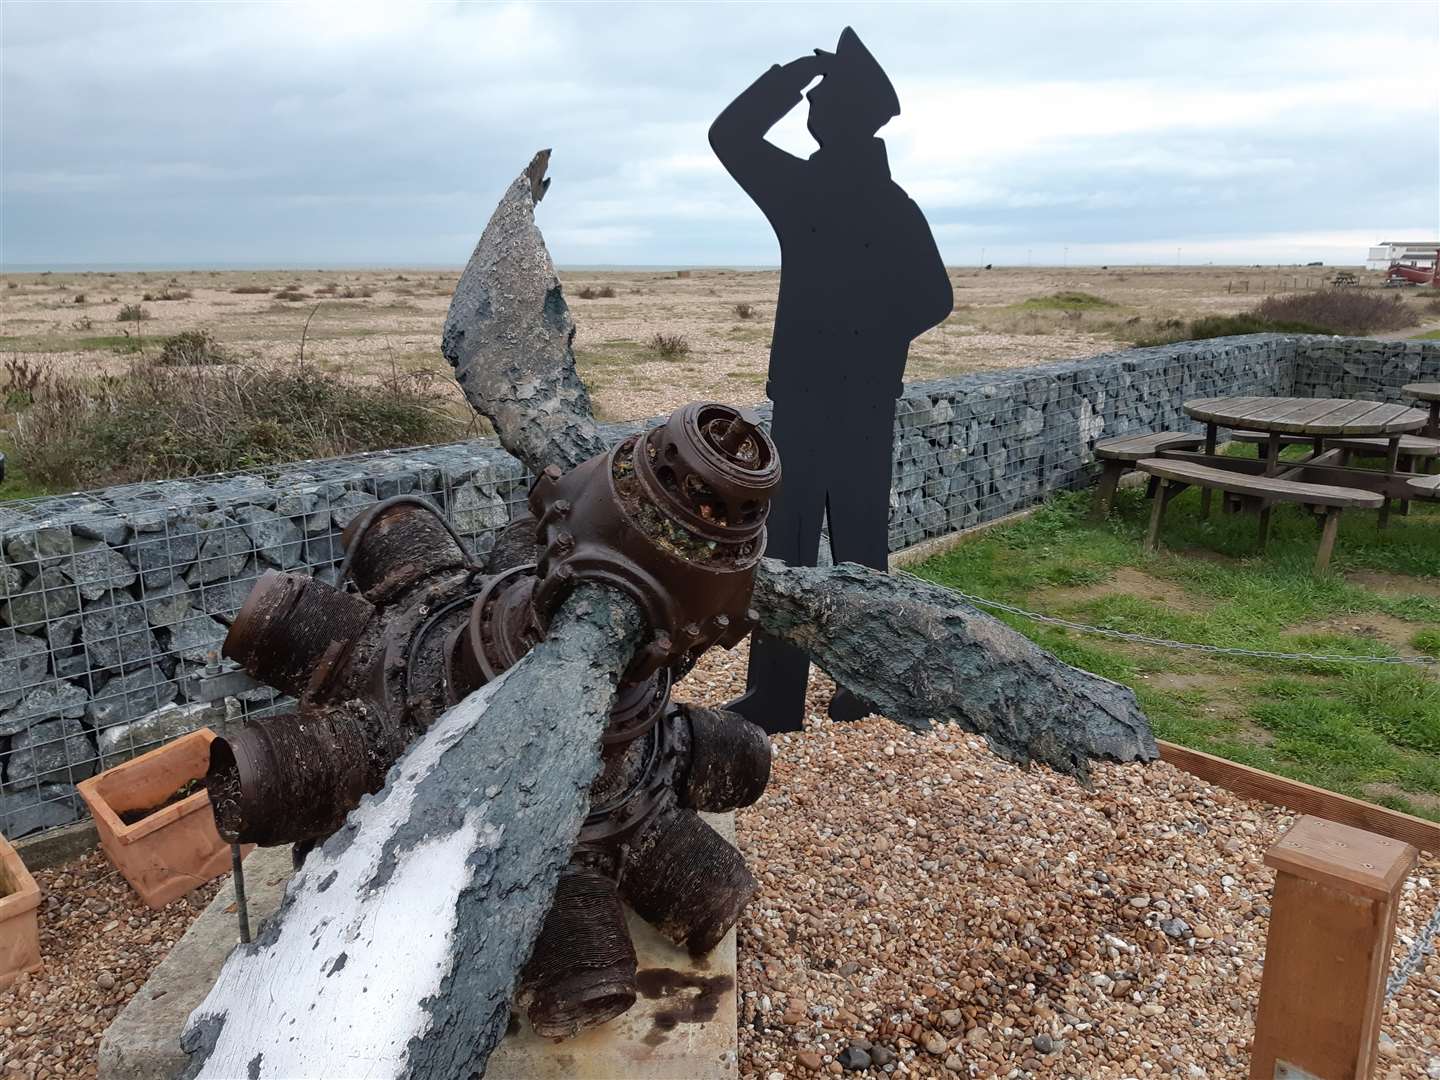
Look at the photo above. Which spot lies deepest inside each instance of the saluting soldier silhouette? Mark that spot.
(860, 278)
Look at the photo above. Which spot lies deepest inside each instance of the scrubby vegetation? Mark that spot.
(156, 420)
(669, 346)
(291, 293)
(251, 290)
(744, 311)
(590, 292)
(132, 313)
(1348, 312)
(191, 348)
(168, 294)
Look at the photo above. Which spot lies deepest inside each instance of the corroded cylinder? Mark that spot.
(292, 630)
(729, 760)
(686, 880)
(582, 970)
(287, 778)
(394, 544)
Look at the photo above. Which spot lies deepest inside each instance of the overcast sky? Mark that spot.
(220, 134)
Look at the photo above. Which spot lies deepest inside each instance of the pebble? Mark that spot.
(936, 1043)
(854, 1059)
(810, 1060)
(955, 1063)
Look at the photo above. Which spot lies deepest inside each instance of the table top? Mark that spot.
(1307, 416)
(1425, 391)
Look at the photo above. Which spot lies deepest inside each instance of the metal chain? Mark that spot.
(1191, 646)
(1423, 946)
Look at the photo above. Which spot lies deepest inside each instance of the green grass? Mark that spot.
(1429, 335)
(1065, 301)
(1362, 729)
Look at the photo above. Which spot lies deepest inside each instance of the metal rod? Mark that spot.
(242, 909)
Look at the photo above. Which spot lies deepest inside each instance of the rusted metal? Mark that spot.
(674, 518)
(670, 518)
(582, 970)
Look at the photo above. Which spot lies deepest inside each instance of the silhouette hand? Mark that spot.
(808, 67)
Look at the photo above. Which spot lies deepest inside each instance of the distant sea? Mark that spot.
(160, 267)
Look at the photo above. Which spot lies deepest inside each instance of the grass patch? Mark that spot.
(156, 421)
(1429, 335)
(1345, 727)
(1065, 301)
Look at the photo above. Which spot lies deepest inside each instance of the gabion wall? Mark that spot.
(113, 603)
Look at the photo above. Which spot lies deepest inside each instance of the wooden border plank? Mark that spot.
(1303, 798)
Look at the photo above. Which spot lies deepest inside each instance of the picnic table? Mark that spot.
(1323, 481)
(1427, 391)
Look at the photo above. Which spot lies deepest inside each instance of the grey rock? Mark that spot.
(227, 597)
(1176, 928)
(116, 633)
(276, 538)
(51, 752)
(48, 595)
(880, 1056)
(165, 546)
(225, 547)
(169, 603)
(129, 697)
(853, 1059)
(97, 568)
(29, 808)
(24, 661)
(56, 699)
(196, 639)
(124, 741)
(1043, 1043)
(348, 506)
(40, 544)
(472, 512)
(11, 580)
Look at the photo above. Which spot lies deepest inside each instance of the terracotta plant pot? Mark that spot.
(19, 927)
(174, 848)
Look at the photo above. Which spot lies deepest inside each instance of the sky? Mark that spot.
(358, 134)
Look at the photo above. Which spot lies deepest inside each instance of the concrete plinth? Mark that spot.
(683, 1023)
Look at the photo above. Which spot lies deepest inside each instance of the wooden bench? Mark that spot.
(1426, 487)
(1120, 455)
(1258, 492)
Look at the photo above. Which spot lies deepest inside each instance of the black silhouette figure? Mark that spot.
(860, 278)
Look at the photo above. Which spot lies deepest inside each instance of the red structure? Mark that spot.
(1415, 275)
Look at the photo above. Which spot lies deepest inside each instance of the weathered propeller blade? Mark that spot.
(919, 656)
(396, 948)
(509, 337)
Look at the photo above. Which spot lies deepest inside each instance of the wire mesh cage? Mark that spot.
(114, 604)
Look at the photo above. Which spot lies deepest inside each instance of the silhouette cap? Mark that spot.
(867, 79)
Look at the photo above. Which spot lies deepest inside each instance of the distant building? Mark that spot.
(1415, 253)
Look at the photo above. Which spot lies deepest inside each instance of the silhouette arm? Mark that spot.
(932, 299)
(738, 134)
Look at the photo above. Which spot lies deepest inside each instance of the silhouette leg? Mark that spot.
(859, 506)
(774, 694)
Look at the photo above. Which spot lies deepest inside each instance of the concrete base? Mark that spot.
(683, 1023)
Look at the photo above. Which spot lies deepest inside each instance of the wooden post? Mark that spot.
(1332, 923)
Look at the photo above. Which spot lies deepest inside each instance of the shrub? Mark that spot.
(590, 292)
(291, 293)
(669, 346)
(251, 290)
(79, 298)
(744, 311)
(1338, 311)
(132, 313)
(191, 348)
(167, 294)
(351, 292)
(154, 421)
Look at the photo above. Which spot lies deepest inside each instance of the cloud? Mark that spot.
(383, 133)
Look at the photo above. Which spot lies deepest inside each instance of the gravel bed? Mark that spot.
(926, 910)
(99, 943)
